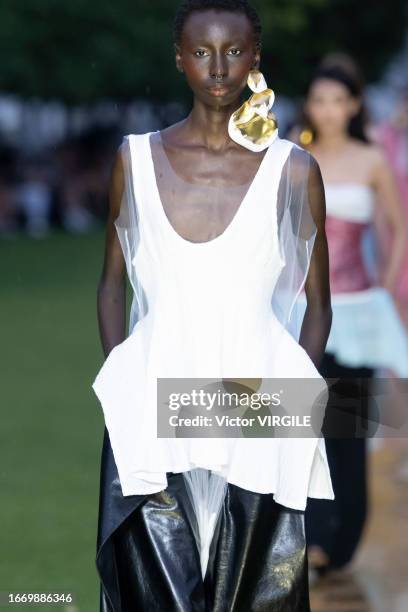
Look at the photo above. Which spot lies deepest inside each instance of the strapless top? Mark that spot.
(349, 210)
(350, 201)
(366, 327)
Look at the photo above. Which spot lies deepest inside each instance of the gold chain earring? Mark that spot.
(253, 125)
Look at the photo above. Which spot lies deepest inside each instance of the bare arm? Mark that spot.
(318, 316)
(385, 185)
(111, 293)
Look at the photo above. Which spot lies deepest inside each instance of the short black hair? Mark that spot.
(237, 6)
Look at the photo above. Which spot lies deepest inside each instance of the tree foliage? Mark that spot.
(80, 51)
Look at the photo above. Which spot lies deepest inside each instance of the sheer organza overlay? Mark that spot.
(204, 203)
(202, 209)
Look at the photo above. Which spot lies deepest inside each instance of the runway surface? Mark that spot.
(376, 580)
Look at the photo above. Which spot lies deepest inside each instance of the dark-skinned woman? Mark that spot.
(218, 223)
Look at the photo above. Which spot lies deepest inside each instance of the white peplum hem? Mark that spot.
(292, 469)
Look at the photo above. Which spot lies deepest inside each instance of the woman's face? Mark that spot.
(216, 53)
(330, 106)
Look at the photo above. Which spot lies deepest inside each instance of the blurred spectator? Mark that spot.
(9, 222)
(65, 186)
(84, 167)
(34, 196)
(393, 136)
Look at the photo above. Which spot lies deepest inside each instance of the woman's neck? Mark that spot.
(332, 142)
(209, 126)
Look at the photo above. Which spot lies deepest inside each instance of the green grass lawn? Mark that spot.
(52, 422)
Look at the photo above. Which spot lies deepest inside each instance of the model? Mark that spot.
(218, 223)
(367, 332)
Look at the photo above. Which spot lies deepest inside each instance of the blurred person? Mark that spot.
(96, 148)
(209, 221)
(367, 332)
(9, 216)
(34, 196)
(392, 135)
(81, 186)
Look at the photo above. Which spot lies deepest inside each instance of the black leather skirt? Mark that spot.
(148, 560)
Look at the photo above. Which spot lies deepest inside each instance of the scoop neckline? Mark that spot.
(218, 240)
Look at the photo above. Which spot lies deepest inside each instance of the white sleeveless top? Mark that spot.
(208, 315)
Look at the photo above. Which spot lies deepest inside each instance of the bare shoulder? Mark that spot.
(302, 162)
(371, 152)
(377, 156)
(119, 162)
(375, 161)
(116, 184)
(123, 155)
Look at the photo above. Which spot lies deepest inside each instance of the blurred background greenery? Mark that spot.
(51, 431)
(80, 50)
